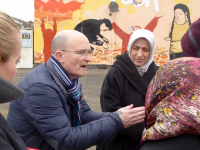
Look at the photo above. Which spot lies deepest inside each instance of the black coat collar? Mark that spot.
(129, 70)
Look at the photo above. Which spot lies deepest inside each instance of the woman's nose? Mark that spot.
(139, 52)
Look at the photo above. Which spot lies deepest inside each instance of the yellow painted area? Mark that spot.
(77, 17)
(38, 40)
(130, 9)
(186, 2)
(95, 4)
(191, 11)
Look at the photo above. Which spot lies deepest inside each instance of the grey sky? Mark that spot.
(21, 9)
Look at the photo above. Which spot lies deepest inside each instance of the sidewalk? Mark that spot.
(91, 87)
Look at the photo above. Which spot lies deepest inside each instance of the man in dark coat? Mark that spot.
(53, 113)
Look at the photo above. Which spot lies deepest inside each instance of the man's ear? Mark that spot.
(59, 56)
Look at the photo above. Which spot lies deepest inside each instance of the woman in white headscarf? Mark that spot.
(126, 83)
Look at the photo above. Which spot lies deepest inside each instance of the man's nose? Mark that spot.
(88, 57)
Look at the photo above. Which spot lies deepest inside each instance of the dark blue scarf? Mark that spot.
(71, 86)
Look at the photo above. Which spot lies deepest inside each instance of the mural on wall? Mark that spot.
(48, 35)
(92, 29)
(179, 26)
(109, 33)
(51, 12)
(125, 37)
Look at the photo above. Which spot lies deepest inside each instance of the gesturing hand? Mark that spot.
(131, 116)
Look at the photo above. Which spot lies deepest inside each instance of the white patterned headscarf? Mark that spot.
(143, 33)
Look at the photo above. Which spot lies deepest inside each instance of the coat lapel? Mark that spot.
(128, 69)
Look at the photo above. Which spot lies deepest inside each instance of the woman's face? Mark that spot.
(8, 68)
(180, 15)
(140, 52)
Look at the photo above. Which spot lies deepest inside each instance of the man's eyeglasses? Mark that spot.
(81, 52)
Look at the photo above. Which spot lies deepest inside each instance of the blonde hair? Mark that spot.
(7, 28)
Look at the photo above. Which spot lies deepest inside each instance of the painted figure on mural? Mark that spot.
(48, 35)
(125, 36)
(92, 29)
(179, 26)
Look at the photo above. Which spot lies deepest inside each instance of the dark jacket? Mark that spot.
(123, 85)
(42, 117)
(181, 142)
(9, 140)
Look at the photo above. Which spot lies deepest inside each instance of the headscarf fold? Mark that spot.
(173, 100)
(143, 33)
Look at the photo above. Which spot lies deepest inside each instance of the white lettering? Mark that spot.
(146, 2)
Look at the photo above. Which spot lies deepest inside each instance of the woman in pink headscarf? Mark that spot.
(173, 107)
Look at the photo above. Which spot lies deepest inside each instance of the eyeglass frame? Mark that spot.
(84, 52)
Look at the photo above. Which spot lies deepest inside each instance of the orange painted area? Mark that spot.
(104, 56)
(161, 55)
(39, 13)
(38, 57)
(58, 6)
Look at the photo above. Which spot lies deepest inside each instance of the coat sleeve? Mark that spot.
(88, 115)
(43, 109)
(112, 100)
(5, 145)
(110, 93)
(9, 140)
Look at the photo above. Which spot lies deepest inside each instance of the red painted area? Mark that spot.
(48, 35)
(125, 37)
(152, 25)
(50, 9)
(54, 6)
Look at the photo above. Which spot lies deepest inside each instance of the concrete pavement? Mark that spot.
(91, 86)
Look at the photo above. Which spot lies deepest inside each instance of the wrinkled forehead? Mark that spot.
(78, 42)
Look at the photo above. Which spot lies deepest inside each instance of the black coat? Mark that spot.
(123, 85)
(181, 142)
(9, 140)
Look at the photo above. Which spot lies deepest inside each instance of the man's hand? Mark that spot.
(131, 116)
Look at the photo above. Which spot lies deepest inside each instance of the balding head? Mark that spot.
(62, 40)
(71, 49)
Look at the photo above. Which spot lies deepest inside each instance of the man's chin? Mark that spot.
(83, 74)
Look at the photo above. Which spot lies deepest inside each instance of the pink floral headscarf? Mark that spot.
(173, 100)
